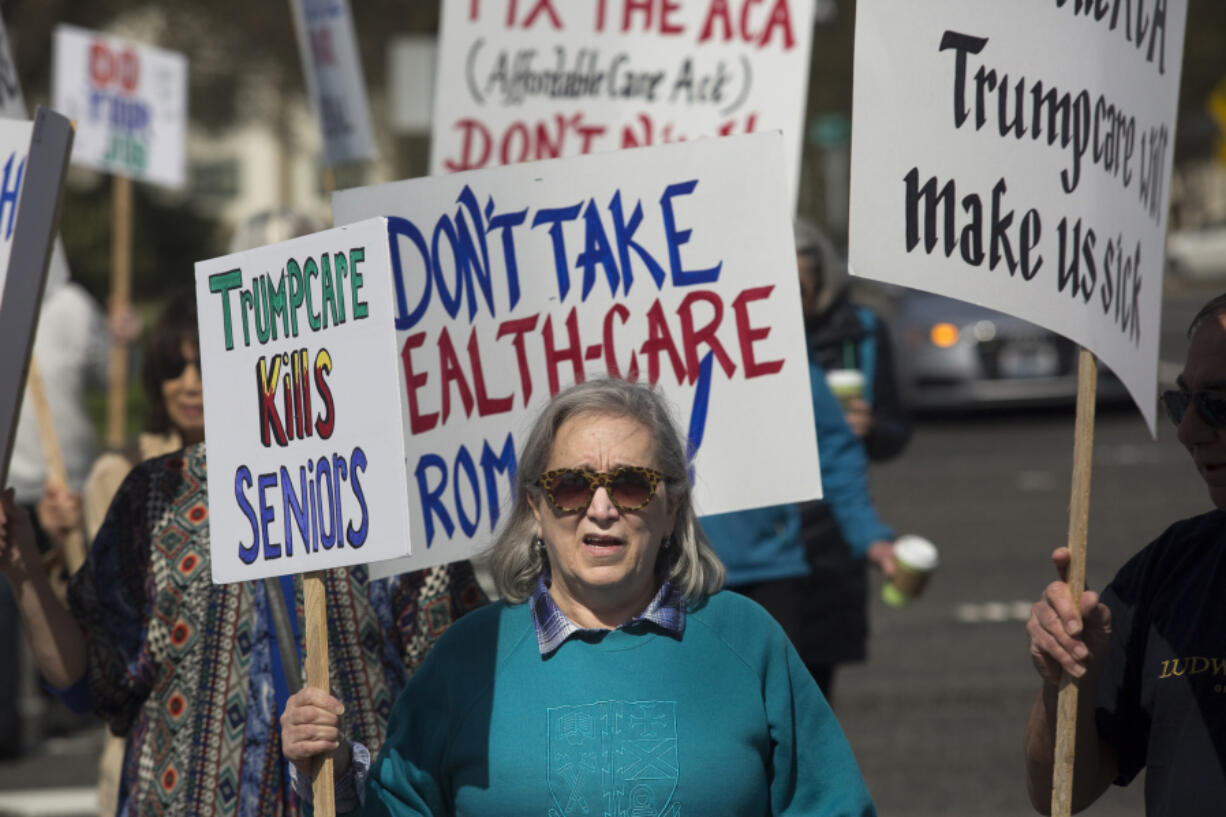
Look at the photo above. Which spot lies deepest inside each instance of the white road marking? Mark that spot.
(63, 802)
(993, 612)
(1035, 481)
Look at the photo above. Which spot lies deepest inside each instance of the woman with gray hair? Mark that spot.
(613, 675)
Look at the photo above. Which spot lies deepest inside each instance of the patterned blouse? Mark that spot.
(183, 667)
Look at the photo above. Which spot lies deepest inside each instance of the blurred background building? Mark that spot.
(254, 144)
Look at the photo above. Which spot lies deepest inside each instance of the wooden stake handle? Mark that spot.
(121, 298)
(1078, 529)
(315, 610)
(72, 550)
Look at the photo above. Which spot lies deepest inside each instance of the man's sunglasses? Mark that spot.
(1210, 405)
(172, 368)
(630, 487)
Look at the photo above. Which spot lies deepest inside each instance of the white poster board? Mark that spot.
(333, 70)
(33, 163)
(298, 357)
(129, 102)
(1018, 155)
(411, 61)
(675, 262)
(12, 103)
(13, 106)
(520, 81)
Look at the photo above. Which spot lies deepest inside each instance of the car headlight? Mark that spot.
(985, 331)
(943, 335)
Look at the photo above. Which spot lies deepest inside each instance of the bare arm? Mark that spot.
(56, 640)
(1065, 639)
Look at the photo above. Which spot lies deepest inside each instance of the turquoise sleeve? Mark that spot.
(405, 778)
(807, 736)
(844, 471)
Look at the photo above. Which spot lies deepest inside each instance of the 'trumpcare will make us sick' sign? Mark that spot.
(300, 364)
(672, 264)
(1018, 155)
(523, 80)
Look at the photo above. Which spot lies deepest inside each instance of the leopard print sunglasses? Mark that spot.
(630, 487)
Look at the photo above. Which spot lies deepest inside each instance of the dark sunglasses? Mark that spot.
(1210, 405)
(173, 367)
(630, 487)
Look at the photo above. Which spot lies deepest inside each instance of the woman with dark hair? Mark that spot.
(174, 405)
(191, 674)
(613, 677)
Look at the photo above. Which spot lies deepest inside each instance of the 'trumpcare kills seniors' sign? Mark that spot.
(129, 102)
(299, 360)
(521, 81)
(672, 264)
(1018, 155)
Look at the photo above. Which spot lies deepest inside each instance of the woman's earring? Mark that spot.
(668, 542)
(539, 544)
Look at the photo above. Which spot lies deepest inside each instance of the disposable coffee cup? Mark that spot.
(915, 558)
(845, 384)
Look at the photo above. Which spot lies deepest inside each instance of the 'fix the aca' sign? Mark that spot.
(129, 102)
(520, 81)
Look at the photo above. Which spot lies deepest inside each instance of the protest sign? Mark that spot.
(333, 70)
(12, 104)
(299, 357)
(33, 162)
(521, 81)
(673, 264)
(1018, 155)
(129, 102)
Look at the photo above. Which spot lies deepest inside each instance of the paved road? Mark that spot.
(936, 716)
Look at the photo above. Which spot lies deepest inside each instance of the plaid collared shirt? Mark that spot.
(553, 628)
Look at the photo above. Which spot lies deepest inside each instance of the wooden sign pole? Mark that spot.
(121, 297)
(329, 181)
(73, 547)
(1078, 528)
(315, 610)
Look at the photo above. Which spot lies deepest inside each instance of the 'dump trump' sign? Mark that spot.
(302, 405)
(671, 264)
(1019, 155)
(129, 102)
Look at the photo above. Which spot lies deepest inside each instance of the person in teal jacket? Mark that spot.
(806, 564)
(762, 549)
(614, 678)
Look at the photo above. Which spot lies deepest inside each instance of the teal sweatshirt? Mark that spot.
(723, 720)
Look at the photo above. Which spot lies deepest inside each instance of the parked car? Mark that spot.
(955, 355)
(1197, 252)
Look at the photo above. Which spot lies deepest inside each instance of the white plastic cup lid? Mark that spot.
(916, 552)
(845, 378)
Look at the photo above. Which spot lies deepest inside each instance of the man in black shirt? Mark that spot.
(1151, 653)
